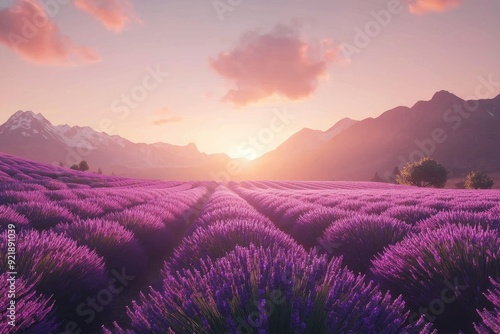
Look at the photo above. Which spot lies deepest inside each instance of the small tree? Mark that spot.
(476, 180)
(84, 166)
(424, 173)
(75, 167)
(99, 170)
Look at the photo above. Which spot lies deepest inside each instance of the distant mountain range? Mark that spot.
(463, 135)
(30, 135)
(442, 128)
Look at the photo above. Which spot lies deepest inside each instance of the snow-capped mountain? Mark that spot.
(76, 136)
(29, 124)
(32, 136)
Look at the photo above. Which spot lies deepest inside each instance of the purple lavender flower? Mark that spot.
(311, 226)
(222, 237)
(442, 273)
(240, 293)
(57, 265)
(10, 216)
(148, 228)
(491, 319)
(409, 214)
(117, 245)
(359, 238)
(34, 311)
(483, 219)
(43, 215)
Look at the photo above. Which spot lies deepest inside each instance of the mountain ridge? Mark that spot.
(31, 135)
(307, 139)
(396, 137)
(349, 150)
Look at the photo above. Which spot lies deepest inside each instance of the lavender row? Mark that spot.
(225, 222)
(268, 290)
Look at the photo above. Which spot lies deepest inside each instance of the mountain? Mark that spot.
(30, 135)
(307, 139)
(462, 135)
(442, 128)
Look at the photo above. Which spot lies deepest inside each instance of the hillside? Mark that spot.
(32, 136)
(441, 128)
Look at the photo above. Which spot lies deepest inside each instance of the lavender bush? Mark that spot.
(269, 290)
(359, 238)
(483, 219)
(34, 312)
(218, 239)
(43, 215)
(491, 319)
(148, 228)
(117, 245)
(311, 225)
(10, 216)
(233, 258)
(57, 265)
(445, 271)
(409, 214)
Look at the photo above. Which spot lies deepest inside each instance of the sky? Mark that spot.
(226, 74)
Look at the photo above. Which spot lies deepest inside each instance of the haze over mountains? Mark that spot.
(442, 128)
(308, 139)
(463, 136)
(30, 135)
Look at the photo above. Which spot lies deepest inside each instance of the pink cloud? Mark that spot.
(27, 30)
(163, 121)
(432, 6)
(275, 63)
(114, 14)
(168, 116)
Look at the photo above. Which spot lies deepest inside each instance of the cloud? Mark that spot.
(168, 117)
(432, 6)
(274, 63)
(114, 14)
(163, 111)
(163, 121)
(27, 30)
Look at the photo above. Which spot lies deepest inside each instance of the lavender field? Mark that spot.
(86, 253)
